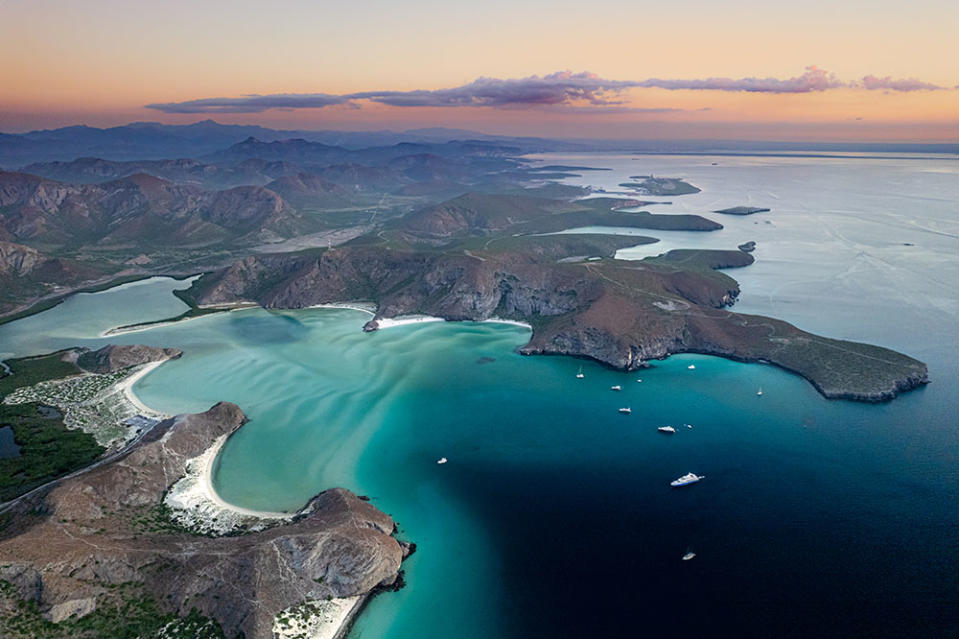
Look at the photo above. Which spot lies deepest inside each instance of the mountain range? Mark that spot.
(156, 141)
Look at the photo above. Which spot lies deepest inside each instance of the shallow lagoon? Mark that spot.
(554, 516)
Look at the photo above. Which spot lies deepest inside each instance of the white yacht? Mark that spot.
(626, 411)
(691, 367)
(666, 429)
(688, 556)
(441, 460)
(617, 387)
(685, 480)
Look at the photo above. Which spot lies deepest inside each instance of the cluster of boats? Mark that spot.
(688, 478)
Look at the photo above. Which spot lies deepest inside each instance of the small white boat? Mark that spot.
(441, 460)
(687, 479)
(688, 556)
(617, 387)
(579, 375)
(639, 381)
(689, 425)
(626, 411)
(691, 367)
(760, 391)
(666, 429)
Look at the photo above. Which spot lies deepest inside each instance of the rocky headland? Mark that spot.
(620, 313)
(113, 358)
(104, 540)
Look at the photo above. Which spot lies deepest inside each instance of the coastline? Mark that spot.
(137, 328)
(125, 388)
(363, 307)
(406, 320)
(319, 619)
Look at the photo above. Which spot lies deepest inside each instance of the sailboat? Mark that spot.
(579, 374)
(760, 391)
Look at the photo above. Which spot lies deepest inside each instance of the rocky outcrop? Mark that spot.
(619, 313)
(71, 549)
(16, 259)
(113, 358)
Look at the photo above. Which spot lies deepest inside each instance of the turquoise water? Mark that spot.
(553, 517)
(86, 315)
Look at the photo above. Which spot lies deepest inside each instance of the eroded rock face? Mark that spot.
(90, 537)
(16, 259)
(114, 358)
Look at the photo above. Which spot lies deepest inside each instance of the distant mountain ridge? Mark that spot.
(155, 141)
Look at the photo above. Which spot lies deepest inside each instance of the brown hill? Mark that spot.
(138, 209)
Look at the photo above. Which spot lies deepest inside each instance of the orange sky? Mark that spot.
(99, 62)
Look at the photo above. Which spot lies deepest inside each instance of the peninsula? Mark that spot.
(451, 265)
(104, 549)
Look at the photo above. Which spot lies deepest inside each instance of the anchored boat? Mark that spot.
(687, 479)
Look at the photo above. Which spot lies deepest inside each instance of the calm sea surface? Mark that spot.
(554, 516)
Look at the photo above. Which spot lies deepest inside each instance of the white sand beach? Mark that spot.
(405, 320)
(318, 619)
(196, 505)
(125, 388)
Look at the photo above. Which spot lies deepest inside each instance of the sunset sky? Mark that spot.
(739, 69)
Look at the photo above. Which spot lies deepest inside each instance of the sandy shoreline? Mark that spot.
(369, 308)
(125, 388)
(211, 494)
(318, 619)
(195, 503)
(406, 320)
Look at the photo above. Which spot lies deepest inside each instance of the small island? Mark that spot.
(742, 210)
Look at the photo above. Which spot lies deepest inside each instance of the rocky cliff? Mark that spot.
(95, 538)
